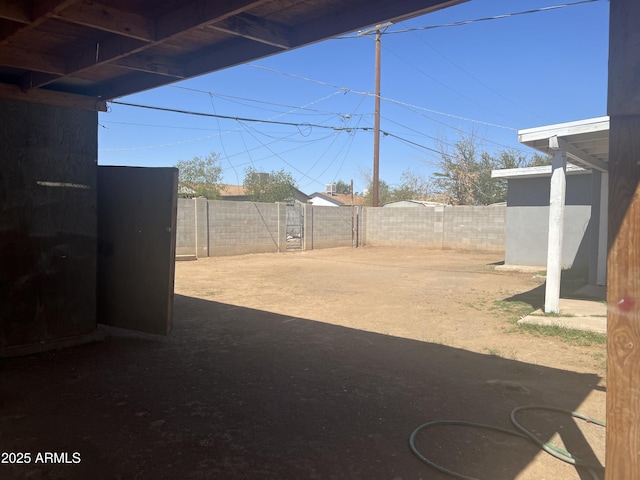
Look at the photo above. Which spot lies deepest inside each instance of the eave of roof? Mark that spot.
(586, 142)
(535, 172)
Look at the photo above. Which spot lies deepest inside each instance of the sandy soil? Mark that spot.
(450, 298)
(313, 365)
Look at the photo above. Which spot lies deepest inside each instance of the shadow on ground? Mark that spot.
(236, 393)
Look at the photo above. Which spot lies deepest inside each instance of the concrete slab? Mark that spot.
(582, 308)
(592, 291)
(586, 315)
(589, 324)
(521, 268)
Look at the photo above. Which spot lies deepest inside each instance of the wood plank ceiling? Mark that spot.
(81, 53)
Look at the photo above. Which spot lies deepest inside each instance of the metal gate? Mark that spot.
(295, 226)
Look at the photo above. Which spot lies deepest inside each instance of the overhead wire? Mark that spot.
(442, 84)
(477, 20)
(383, 97)
(476, 79)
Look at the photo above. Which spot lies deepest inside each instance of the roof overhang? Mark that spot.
(543, 171)
(81, 53)
(586, 142)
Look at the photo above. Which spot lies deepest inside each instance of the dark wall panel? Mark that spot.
(136, 253)
(47, 222)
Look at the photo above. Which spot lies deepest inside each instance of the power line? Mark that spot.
(371, 94)
(444, 85)
(252, 100)
(237, 119)
(476, 20)
(488, 87)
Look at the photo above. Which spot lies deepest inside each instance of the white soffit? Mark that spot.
(586, 142)
(535, 172)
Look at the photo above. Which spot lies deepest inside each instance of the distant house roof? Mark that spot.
(238, 193)
(336, 199)
(233, 192)
(414, 203)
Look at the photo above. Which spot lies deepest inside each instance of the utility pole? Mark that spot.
(376, 124)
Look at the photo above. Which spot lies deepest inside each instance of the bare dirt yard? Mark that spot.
(316, 365)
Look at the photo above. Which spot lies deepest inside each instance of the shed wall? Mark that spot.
(528, 221)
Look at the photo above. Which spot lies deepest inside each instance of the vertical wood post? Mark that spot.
(376, 126)
(623, 291)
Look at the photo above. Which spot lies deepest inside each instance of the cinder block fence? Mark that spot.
(219, 228)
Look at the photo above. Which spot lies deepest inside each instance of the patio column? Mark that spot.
(556, 226)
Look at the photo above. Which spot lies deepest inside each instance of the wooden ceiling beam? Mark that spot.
(32, 60)
(155, 64)
(257, 29)
(16, 11)
(27, 19)
(108, 19)
(234, 52)
(200, 13)
(118, 47)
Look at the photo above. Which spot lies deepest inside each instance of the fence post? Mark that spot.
(201, 214)
(282, 226)
(308, 227)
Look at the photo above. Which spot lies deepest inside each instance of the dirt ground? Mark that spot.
(314, 365)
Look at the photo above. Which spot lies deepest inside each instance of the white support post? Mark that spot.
(556, 227)
(603, 231)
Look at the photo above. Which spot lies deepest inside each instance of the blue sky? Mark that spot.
(487, 79)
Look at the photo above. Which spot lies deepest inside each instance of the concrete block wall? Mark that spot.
(236, 228)
(327, 227)
(475, 228)
(186, 227)
(218, 228)
(403, 226)
(451, 227)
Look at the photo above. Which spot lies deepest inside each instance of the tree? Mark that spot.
(457, 182)
(201, 175)
(275, 186)
(465, 174)
(343, 187)
(413, 186)
(384, 193)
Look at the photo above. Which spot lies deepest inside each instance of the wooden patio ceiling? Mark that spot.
(80, 53)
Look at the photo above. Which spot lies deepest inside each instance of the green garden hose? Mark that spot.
(557, 452)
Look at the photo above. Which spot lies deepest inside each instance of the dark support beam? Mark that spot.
(51, 97)
(623, 291)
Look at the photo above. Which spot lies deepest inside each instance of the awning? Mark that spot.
(586, 142)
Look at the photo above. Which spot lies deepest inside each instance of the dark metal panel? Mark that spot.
(136, 247)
